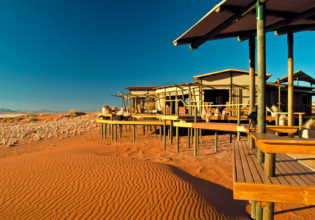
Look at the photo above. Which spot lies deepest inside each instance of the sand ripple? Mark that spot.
(75, 185)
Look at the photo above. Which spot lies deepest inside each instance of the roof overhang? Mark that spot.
(236, 18)
(197, 78)
(299, 75)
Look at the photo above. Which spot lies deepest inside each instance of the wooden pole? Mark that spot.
(143, 128)
(231, 137)
(261, 69)
(259, 211)
(171, 132)
(102, 131)
(253, 209)
(300, 124)
(160, 133)
(290, 79)
(252, 94)
(119, 130)
(269, 168)
(238, 117)
(195, 145)
(164, 133)
(134, 133)
(112, 132)
(105, 131)
(116, 132)
(188, 136)
(216, 141)
(177, 139)
(268, 210)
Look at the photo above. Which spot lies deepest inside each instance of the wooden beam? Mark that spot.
(295, 28)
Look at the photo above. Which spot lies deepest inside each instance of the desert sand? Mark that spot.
(81, 176)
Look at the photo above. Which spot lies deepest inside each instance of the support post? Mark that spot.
(231, 137)
(164, 135)
(112, 132)
(116, 133)
(195, 145)
(269, 167)
(259, 211)
(188, 136)
(261, 69)
(134, 133)
(238, 117)
(160, 133)
(143, 130)
(216, 141)
(177, 139)
(105, 131)
(300, 124)
(268, 210)
(120, 130)
(102, 131)
(171, 132)
(253, 209)
(252, 94)
(290, 79)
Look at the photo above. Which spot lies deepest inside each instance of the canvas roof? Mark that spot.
(236, 18)
(141, 88)
(224, 71)
(301, 76)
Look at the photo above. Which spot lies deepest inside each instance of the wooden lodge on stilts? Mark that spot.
(264, 170)
(260, 172)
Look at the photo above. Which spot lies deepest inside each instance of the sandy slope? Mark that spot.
(84, 177)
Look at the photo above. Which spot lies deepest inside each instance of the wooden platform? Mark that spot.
(293, 183)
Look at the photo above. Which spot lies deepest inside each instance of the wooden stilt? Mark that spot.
(268, 211)
(188, 136)
(290, 79)
(119, 130)
(259, 211)
(253, 209)
(134, 133)
(105, 131)
(195, 145)
(164, 135)
(116, 133)
(239, 117)
(102, 131)
(154, 130)
(261, 76)
(171, 132)
(143, 130)
(177, 139)
(216, 141)
(300, 124)
(252, 94)
(160, 133)
(112, 132)
(231, 137)
(269, 168)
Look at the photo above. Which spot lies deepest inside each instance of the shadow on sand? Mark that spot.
(220, 197)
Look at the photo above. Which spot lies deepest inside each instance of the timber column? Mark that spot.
(261, 69)
(290, 79)
(252, 88)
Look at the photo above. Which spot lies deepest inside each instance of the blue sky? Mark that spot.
(59, 55)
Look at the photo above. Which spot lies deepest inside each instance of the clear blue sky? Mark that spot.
(59, 54)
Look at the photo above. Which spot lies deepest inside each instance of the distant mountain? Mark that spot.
(6, 110)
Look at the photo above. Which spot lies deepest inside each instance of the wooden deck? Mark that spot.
(293, 182)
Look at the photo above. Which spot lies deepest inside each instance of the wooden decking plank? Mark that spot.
(300, 171)
(246, 168)
(239, 168)
(285, 171)
(256, 176)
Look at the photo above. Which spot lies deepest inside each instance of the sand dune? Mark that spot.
(75, 184)
(85, 177)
